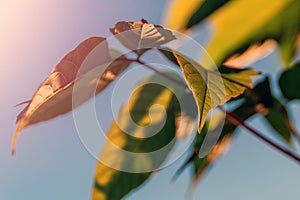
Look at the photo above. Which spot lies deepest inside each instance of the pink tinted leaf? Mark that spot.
(54, 96)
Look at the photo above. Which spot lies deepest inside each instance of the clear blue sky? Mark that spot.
(51, 163)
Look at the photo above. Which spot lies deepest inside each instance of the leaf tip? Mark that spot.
(14, 140)
(201, 124)
(13, 152)
(24, 102)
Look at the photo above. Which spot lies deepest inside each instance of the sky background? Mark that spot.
(51, 162)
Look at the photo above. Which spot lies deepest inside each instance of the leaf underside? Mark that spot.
(80, 66)
(210, 88)
(138, 36)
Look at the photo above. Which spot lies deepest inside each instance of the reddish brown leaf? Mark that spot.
(54, 96)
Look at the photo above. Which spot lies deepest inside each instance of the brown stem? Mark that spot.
(175, 80)
(236, 120)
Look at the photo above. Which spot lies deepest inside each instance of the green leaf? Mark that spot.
(169, 55)
(181, 15)
(179, 12)
(289, 82)
(277, 117)
(242, 23)
(272, 109)
(204, 10)
(115, 175)
(140, 35)
(210, 88)
(239, 24)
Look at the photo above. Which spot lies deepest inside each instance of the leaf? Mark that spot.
(140, 35)
(181, 15)
(168, 53)
(244, 111)
(186, 114)
(289, 82)
(242, 23)
(179, 12)
(211, 89)
(260, 95)
(272, 109)
(131, 153)
(201, 164)
(277, 117)
(204, 10)
(54, 96)
(254, 53)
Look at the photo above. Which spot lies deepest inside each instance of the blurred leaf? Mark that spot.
(239, 24)
(272, 109)
(289, 82)
(80, 66)
(140, 35)
(254, 53)
(204, 10)
(201, 164)
(278, 118)
(261, 94)
(179, 12)
(244, 111)
(186, 115)
(169, 55)
(134, 147)
(181, 15)
(211, 88)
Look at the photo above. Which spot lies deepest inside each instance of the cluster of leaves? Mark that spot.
(242, 34)
(209, 88)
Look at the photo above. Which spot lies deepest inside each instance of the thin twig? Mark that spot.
(175, 80)
(236, 120)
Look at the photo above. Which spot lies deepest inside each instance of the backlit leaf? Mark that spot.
(178, 13)
(239, 24)
(260, 95)
(181, 15)
(254, 53)
(54, 96)
(210, 88)
(130, 148)
(140, 35)
(204, 10)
